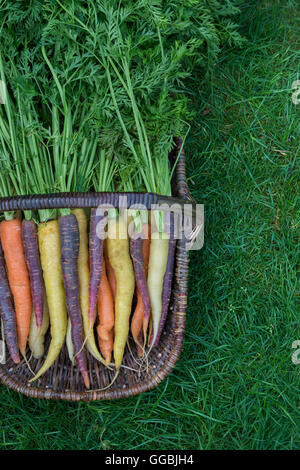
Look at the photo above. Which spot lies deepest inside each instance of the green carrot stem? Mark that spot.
(63, 212)
(159, 220)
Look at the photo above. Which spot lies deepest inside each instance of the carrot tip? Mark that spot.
(23, 352)
(38, 329)
(86, 379)
(107, 359)
(16, 359)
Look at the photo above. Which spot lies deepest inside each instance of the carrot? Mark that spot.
(150, 336)
(7, 312)
(11, 239)
(105, 328)
(137, 320)
(110, 273)
(146, 253)
(158, 258)
(139, 250)
(96, 257)
(32, 256)
(49, 245)
(118, 254)
(167, 284)
(69, 342)
(37, 334)
(140, 349)
(69, 247)
(84, 279)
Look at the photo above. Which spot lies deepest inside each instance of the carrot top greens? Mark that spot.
(100, 85)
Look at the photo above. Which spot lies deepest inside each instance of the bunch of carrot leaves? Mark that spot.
(120, 66)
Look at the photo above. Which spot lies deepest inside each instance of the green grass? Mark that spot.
(235, 386)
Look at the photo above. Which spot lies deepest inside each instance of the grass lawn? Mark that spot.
(235, 386)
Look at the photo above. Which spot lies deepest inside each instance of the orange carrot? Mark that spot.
(146, 251)
(137, 322)
(18, 276)
(106, 317)
(137, 318)
(110, 273)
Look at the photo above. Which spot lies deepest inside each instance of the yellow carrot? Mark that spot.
(84, 279)
(69, 342)
(158, 258)
(49, 245)
(119, 257)
(37, 335)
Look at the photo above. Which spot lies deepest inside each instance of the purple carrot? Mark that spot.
(32, 255)
(7, 312)
(96, 263)
(167, 285)
(69, 246)
(137, 256)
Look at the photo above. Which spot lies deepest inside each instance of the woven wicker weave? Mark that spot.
(63, 381)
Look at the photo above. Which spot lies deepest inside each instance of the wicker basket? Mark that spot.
(63, 381)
